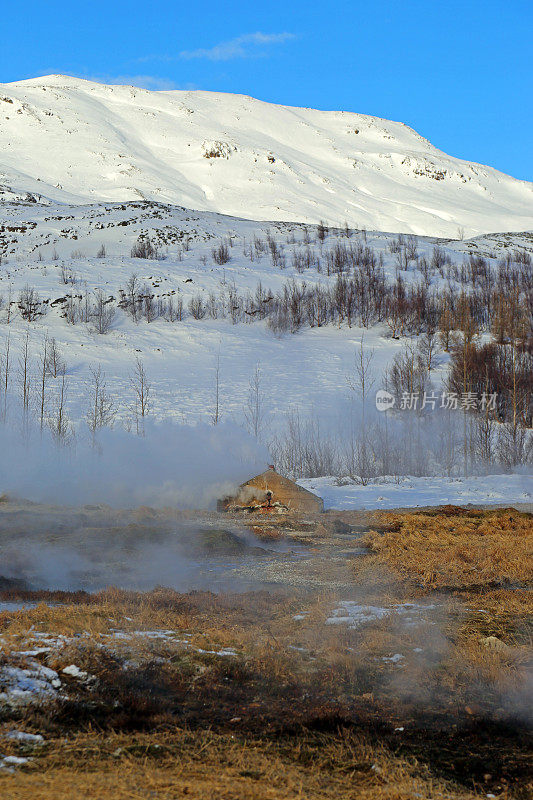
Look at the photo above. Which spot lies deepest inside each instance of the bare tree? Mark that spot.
(43, 376)
(29, 304)
(9, 304)
(149, 308)
(302, 450)
(58, 420)
(24, 373)
(101, 412)
(445, 324)
(55, 364)
(254, 406)
(467, 325)
(68, 276)
(483, 440)
(216, 409)
(360, 381)
(427, 348)
(142, 392)
(174, 310)
(7, 370)
(103, 312)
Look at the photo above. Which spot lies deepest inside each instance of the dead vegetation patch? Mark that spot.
(262, 694)
(455, 548)
(206, 765)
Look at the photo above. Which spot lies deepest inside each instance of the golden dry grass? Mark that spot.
(204, 765)
(303, 710)
(455, 548)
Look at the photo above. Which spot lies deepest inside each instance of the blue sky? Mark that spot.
(460, 73)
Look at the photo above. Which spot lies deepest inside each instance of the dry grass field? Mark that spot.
(456, 548)
(404, 673)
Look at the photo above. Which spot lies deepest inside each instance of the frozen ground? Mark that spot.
(410, 492)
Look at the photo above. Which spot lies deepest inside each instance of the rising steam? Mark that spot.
(172, 465)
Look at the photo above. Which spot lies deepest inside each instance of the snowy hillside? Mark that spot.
(73, 141)
(53, 251)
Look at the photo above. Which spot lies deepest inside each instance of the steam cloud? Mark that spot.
(172, 465)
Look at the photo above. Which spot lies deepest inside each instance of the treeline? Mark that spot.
(442, 442)
(451, 319)
(362, 298)
(426, 294)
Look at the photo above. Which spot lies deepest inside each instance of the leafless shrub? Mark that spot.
(102, 312)
(68, 276)
(129, 296)
(221, 254)
(407, 374)
(149, 308)
(29, 304)
(259, 246)
(197, 307)
(438, 258)
(174, 310)
(143, 248)
(303, 450)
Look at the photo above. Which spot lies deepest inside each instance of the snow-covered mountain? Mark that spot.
(68, 140)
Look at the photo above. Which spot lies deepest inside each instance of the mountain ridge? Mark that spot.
(66, 139)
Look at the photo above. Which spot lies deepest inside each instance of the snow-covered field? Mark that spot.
(76, 141)
(410, 492)
(304, 372)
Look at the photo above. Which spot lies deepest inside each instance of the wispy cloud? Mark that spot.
(245, 46)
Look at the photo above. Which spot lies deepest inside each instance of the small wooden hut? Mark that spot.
(271, 492)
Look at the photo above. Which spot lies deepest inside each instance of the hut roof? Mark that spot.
(270, 476)
(269, 492)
